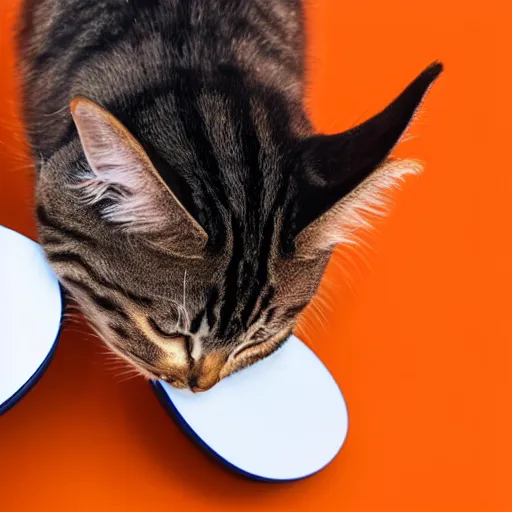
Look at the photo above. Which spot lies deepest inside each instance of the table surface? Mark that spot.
(417, 332)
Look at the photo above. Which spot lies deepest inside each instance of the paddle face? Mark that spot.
(281, 419)
(30, 315)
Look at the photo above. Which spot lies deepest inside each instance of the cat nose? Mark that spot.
(205, 372)
(194, 385)
(198, 387)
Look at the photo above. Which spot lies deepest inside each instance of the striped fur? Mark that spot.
(185, 225)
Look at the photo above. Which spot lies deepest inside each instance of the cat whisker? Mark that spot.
(113, 367)
(58, 111)
(319, 314)
(128, 377)
(84, 334)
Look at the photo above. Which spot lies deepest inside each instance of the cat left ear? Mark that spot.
(138, 200)
(346, 175)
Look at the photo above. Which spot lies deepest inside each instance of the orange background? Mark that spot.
(420, 342)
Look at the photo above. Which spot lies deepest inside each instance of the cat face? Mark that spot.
(180, 323)
(152, 276)
(177, 312)
(190, 320)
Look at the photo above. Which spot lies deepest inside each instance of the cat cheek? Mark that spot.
(228, 369)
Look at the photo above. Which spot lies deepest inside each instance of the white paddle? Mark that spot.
(30, 315)
(282, 419)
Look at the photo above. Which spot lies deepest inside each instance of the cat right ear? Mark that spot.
(124, 183)
(346, 175)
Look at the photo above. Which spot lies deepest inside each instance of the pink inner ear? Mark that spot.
(341, 224)
(120, 171)
(134, 209)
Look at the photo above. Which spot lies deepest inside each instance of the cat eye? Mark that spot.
(162, 332)
(248, 347)
(273, 343)
(189, 346)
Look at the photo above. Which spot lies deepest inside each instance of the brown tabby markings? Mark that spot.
(182, 195)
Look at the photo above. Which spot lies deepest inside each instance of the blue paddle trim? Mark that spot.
(14, 399)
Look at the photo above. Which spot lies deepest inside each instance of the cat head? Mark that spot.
(191, 295)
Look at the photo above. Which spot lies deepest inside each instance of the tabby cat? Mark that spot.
(182, 196)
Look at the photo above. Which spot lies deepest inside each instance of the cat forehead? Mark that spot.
(216, 131)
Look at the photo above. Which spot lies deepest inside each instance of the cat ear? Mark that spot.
(346, 175)
(137, 199)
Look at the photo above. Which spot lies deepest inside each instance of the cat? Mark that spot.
(183, 197)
